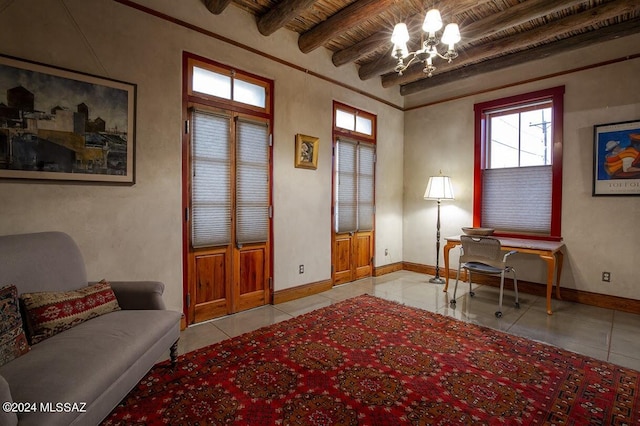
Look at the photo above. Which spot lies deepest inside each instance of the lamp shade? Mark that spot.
(439, 188)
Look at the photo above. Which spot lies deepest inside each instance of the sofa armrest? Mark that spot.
(139, 294)
(6, 418)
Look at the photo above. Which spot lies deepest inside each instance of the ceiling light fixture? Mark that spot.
(428, 51)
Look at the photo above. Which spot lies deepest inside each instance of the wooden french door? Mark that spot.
(353, 237)
(229, 215)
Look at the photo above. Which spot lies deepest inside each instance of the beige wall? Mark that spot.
(135, 232)
(601, 233)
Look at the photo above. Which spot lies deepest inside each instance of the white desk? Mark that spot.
(549, 251)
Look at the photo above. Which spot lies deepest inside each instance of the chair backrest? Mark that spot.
(485, 250)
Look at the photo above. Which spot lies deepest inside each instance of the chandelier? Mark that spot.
(428, 51)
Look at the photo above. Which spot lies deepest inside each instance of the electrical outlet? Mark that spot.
(606, 277)
(386, 252)
(301, 269)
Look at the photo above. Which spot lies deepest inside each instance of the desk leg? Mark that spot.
(445, 252)
(551, 269)
(560, 261)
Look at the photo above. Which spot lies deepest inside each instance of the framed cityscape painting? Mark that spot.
(58, 124)
(616, 158)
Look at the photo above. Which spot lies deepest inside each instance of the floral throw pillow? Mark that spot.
(49, 313)
(13, 341)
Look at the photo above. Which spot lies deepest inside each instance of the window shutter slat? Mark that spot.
(210, 203)
(346, 218)
(517, 199)
(252, 182)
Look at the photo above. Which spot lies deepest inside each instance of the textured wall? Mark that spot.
(135, 232)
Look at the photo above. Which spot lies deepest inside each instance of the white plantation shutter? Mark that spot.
(211, 174)
(252, 182)
(366, 164)
(355, 164)
(517, 199)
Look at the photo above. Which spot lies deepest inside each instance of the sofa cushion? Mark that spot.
(13, 341)
(49, 313)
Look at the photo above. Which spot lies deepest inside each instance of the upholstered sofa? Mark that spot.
(78, 375)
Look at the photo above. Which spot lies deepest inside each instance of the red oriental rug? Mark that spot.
(368, 361)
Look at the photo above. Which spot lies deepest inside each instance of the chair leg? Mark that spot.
(515, 287)
(499, 311)
(455, 288)
(471, 292)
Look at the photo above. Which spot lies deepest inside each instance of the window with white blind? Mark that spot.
(354, 204)
(518, 164)
(210, 162)
(252, 182)
(211, 200)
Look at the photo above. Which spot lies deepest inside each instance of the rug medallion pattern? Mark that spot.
(368, 361)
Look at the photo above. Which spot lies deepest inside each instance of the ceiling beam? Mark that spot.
(344, 20)
(511, 17)
(579, 41)
(281, 14)
(543, 34)
(216, 6)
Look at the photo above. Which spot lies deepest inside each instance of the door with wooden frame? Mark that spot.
(227, 190)
(353, 237)
(230, 214)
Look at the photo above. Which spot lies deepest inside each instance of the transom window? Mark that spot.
(518, 164)
(354, 122)
(228, 86)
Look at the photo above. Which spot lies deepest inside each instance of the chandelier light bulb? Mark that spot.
(400, 34)
(432, 22)
(451, 35)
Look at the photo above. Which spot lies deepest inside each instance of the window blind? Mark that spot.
(211, 176)
(366, 164)
(346, 197)
(355, 162)
(252, 182)
(517, 199)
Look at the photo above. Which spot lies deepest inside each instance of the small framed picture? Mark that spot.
(616, 158)
(306, 152)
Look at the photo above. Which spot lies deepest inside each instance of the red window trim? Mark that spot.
(556, 95)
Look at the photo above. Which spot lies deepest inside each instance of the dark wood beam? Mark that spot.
(511, 17)
(576, 42)
(544, 34)
(216, 6)
(347, 18)
(362, 48)
(281, 14)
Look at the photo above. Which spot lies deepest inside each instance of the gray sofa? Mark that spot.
(96, 362)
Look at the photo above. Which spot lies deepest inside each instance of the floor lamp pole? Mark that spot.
(437, 279)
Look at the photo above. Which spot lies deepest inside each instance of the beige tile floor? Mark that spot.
(604, 334)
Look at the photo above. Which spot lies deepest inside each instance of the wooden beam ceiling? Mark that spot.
(522, 41)
(495, 33)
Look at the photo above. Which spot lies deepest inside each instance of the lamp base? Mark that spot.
(436, 280)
